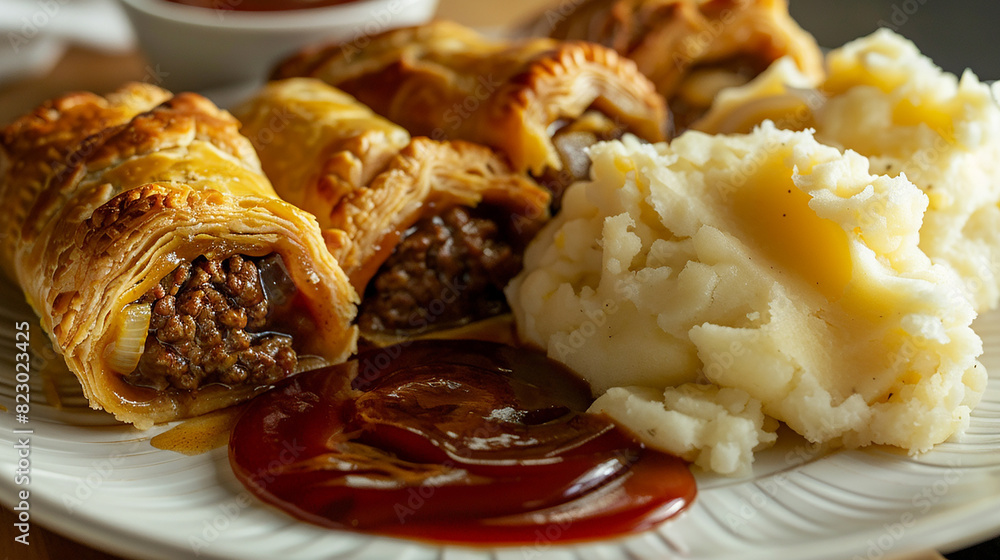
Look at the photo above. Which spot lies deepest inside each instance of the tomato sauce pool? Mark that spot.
(261, 5)
(453, 441)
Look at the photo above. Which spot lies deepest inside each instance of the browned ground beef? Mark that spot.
(448, 269)
(209, 325)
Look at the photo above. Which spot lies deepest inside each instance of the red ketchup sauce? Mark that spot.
(457, 441)
(261, 5)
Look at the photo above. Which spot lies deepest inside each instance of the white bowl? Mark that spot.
(192, 49)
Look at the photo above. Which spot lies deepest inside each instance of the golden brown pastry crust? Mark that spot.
(125, 208)
(365, 179)
(316, 143)
(38, 145)
(445, 81)
(689, 48)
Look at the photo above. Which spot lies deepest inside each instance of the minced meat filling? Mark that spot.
(209, 325)
(448, 269)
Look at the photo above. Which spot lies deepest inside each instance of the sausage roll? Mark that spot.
(428, 231)
(538, 101)
(44, 140)
(690, 49)
(158, 257)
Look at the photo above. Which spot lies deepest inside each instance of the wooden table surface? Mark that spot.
(100, 72)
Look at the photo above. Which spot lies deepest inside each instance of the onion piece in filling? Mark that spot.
(221, 321)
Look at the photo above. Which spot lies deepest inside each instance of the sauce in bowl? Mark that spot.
(260, 5)
(455, 441)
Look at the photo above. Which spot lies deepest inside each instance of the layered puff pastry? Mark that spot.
(158, 257)
(691, 49)
(535, 100)
(428, 231)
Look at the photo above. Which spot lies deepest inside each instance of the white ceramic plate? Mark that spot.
(102, 483)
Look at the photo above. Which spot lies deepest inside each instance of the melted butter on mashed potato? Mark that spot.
(885, 100)
(707, 286)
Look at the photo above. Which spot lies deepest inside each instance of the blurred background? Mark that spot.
(956, 34)
(50, 46)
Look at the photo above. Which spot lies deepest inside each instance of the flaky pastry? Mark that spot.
(690, 49)
(371, 187)
(158, 257)
(446, 81)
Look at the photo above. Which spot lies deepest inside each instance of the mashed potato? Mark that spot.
(885, 100)
(716, 428)
(778, 270)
